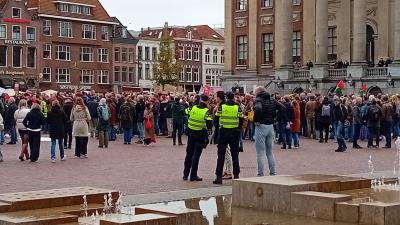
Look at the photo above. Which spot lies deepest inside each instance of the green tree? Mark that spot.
(167, 68)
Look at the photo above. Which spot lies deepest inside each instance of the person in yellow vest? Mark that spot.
(230, 123)
(198, 124)
(45, 110)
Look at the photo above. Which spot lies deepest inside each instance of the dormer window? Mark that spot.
(74, 8)
(189, 35)
(16, 13)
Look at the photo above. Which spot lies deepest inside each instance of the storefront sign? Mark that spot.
(16, 42)
(13, 20)
(12, 73)
(75, 87)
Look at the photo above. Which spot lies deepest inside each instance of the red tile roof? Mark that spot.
(201, 32)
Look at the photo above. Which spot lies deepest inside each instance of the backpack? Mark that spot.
(125, 113)
(374, 114)
(326, 111)
(105, 116)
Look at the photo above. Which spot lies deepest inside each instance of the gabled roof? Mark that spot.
(207, 33)
(200, 32)
(49, 7)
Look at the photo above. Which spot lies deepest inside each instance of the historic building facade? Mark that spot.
(147, 55)
(270, 42)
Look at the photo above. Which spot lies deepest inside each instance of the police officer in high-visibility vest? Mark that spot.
(230, 121)
(198, 124)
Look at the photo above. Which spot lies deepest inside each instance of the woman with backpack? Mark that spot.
(125, 116)
(103, 123)
(325, 120)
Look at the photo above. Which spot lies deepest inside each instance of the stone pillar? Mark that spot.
(382, 45)
(253, 22)
(343, 21)
(321, 32)
(308, 31)
(283, 33)
(359, 32)
(397, 32)
(228, 37)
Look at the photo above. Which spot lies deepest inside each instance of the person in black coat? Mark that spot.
(33, 122)
(57, 119)
(9, 121)
(67, 108)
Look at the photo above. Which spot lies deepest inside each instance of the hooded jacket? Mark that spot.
(265, 109)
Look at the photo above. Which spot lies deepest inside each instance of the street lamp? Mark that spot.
(278, 82)
(390, 81)
(350, 80)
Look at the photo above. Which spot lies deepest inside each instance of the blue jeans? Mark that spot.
(127, 136)
(2, 136)
(356, 135)
(250, 128)
(60, 146)
(286, 135)
(333, 131)
(395, 127)
(140, 130)
(112, 134)
(264, 135)
(13, 133)
(387, 129)
(296, 140)
(156, 129)
(339, 136)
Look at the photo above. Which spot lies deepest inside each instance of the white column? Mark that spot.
(322, 32)
(283, 33)
(397, 32)
(253, 22)
(228, 36)
(359, 31)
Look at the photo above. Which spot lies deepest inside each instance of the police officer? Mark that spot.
(199, 122)
(230, 121)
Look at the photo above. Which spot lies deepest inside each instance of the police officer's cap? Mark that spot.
(230, 95)
(204, 98)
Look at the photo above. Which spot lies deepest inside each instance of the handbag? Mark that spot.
(148, 124)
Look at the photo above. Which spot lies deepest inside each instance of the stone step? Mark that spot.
(142, 219)
(184, 216)
(52, 198)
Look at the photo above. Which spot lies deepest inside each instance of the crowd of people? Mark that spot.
(226, 119)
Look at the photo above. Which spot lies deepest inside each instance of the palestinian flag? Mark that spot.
(340, 88)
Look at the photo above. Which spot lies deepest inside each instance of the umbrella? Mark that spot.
(49, 92)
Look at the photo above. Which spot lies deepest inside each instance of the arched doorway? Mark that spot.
(374, 90)
(370, 44)
(298, 90)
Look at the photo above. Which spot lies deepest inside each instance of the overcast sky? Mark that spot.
(154, 13)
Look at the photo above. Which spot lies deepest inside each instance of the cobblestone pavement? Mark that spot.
(136, 169)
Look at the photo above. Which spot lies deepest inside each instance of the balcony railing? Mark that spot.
(301, 74)
(377, 72)
(337, 73)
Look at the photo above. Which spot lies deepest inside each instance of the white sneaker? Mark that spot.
(85, 156)
(53, 160)
(63, 158)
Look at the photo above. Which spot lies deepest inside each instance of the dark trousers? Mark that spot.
(68, 138)
(373, 132)
(81, 146)
(324, 127)
(34, 145)
(303, 128)
(387, 131)
(177, 128)
(228, 137)
(357, 133)
(195, 145)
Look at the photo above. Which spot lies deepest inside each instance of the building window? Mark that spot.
(86, 54)
(31, 57)
(116, 55)
(16, 32)
(196, 54)
(332, 44)
(116, 74)
(140, 71)
(131, 55)
(147, 72)
(46, 74)
(86, 10)
(215, 56)
(86, 77)
(64, 29)
(103, 55)
(296, 46)
(268, 3)
(47, 51)
(207, 59)
(222, 56)
(147, 53)
(140, 55)
(3, 31)
(188, 76)
(196, 75)
(17, 55)
(181, 53)
(104, 33)
(268, 48)
(154, 54)
(182, 75)
(3, 55)
(63, 52)
(72, 8)
(63, 75)
(62, 7)
(31, 34)
(124, 55)
(131, 74)
(241, 4)
(103, 77)
(124, 74)
(189, 53)
(47, 27)
(296, 2)
(16, 13)
(242, 50)
(89, 31)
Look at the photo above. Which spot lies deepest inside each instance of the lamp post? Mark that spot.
(390, 81)
(278, 82)
(312, 84)
(350, 80)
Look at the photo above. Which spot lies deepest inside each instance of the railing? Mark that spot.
(301, 74)
(377, 72)
(337, 73)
